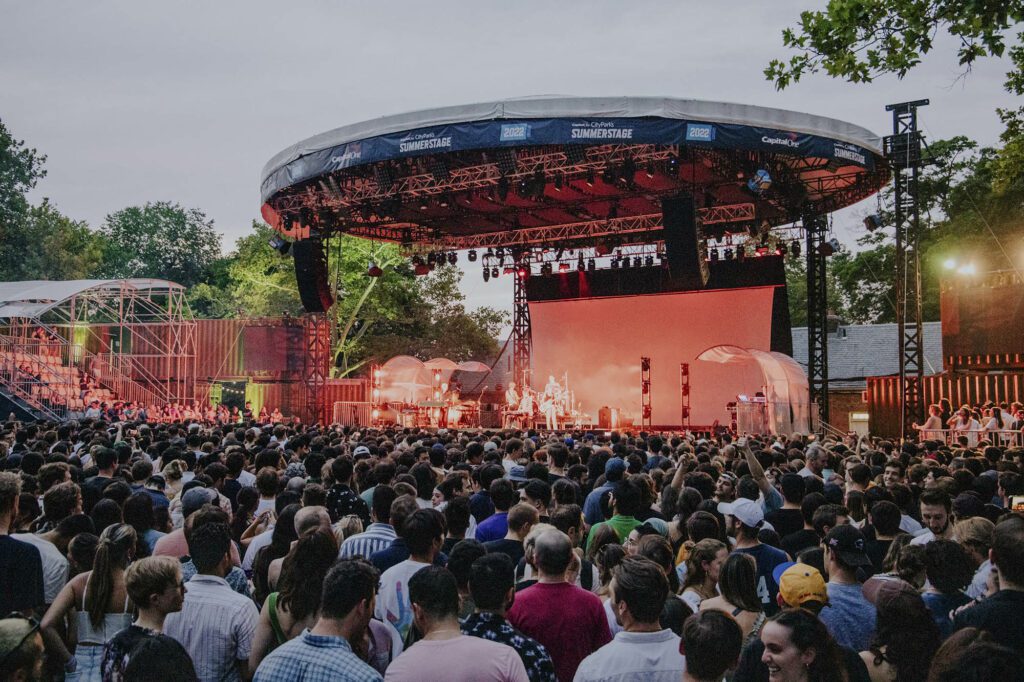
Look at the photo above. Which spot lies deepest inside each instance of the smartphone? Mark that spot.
(1017, 503)
(607, 434)
(742, 442)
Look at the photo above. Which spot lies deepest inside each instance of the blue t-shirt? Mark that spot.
(767, 558)
(849, 616)
(940, 606)
(494, 527)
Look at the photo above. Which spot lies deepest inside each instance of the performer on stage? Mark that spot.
(512, 399)
(551, 403)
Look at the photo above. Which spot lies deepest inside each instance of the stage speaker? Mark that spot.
(311, 275)
(682, 242)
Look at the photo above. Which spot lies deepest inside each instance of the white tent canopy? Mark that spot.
(787, 395)
(32, 298)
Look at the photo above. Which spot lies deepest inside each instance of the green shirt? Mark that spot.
(622, 525)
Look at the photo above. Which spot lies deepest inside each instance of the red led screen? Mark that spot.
(598, 344)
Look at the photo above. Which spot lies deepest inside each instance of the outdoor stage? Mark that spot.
(632, 228)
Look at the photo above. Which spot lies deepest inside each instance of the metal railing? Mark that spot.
(975, 436)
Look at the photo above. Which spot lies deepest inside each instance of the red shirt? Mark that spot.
(567, 620)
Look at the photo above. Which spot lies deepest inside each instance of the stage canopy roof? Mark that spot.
(32, 298)
(452, 175)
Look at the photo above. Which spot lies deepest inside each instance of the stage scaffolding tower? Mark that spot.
(645, 393)
(815, 228)
(903, 148)
(684, 395)
(522, 346)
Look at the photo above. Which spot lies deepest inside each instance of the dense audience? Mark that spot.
(192, 550)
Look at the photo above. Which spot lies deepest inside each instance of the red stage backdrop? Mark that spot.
(599, 343)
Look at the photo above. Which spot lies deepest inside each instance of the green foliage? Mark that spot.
(159, 240)
(860, 40)
(56, 247)
(20, 169)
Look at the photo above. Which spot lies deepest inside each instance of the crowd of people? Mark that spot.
(197, 551)
(967, 426)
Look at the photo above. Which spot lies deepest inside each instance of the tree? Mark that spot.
(20, 169)
(160, 240)
(57, 248)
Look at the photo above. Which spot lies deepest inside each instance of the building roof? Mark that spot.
(858, 351)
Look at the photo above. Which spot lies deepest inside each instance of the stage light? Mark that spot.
(558, 182)
(453, 258)
(563, 267)
(615, 263)
(649, 170)
(713, 255)
(507, 270)
(967, 269)
(471, 255)
(431, 258)
(439, 168)
(741, 252)
(523, 272)
(591, 265)
(580, 265)
(830, 247)
(873, 222)
(545, 269)
(421, 269)
(487, 274)
(506, 161)
(609, 175)
(672, 165)
(795, 248)
(279, 245)
(949, 264)
(637, 262)
(728, 254)
(503, 188)
(374, 270)
(649, 261)
(590, 178)
(782, 250)
(761, 181)
(645, 364)
(494, 272)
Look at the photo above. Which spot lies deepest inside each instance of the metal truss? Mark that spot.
(646, 410)
(317, 362)
(684, 395)
(903, 148)
(522, 340)
(585, 230)
(815, 228)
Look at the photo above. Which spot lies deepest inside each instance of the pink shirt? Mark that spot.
(567, 620)
(460, 659)
(174, 545)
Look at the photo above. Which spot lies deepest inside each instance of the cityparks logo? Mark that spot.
(600, 130)
(790, 140)
(700, 132)
(850, 152)
(515, 132)
(421, 141)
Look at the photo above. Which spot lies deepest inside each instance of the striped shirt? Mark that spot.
(216, 627)
(376, 537)
(314, 658)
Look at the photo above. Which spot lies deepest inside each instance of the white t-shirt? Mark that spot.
(651, 656)
(393, 604)
(247, 479)
(55, 565)
(258, 543)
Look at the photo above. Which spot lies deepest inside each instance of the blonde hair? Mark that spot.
(705, 550)
(347, 526)
(976, 531)
(149, 576)
(174, 470)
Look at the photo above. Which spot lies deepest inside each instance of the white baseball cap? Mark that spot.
(747, 511)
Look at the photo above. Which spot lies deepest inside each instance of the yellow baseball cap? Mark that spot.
(800, 583)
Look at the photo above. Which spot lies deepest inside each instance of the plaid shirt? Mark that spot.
(314, 658)
(495, 628)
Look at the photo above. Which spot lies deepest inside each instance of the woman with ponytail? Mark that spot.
(98, 601)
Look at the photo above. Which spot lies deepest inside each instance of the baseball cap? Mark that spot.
(881, 587)
(848, 543)
(490, 446)
(195, 498)
(360, 450)
(747, 511)
(800, 583)
(614, 464)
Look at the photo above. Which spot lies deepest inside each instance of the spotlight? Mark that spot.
(421, 269)
(615, 263)
(591, 265)
(713, 255)
(949, 264)
(637, 262)
(558, 182)
(795, 248)
(494, 272)
(968, 269)
(873, 222)
(761, 181)
(829, 248)
(431, 258)
(741, 252)
(672, 165)
(728, 254)
(546, 269)
(506, 161)
(523, 272)
(374, 270)
(563, 267)
(649, 261)
(590, 178)
(575, 154)
(580, 265)
(279, 245)
(782, 249)
(453, 258)
(471, 255)
(487, 274)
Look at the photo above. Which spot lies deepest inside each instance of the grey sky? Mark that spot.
(140, 101)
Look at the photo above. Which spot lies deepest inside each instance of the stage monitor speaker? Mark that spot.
(311, 275)
(682, 242)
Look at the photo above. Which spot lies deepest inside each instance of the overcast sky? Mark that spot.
(139, 101)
